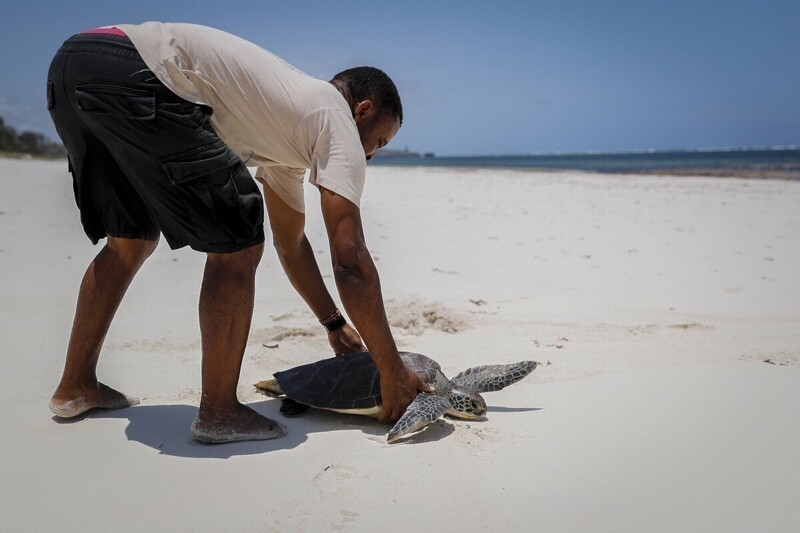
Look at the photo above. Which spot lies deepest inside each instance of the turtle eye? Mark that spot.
(474, 405)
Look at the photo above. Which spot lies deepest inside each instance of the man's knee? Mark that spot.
(245, 261)
(132, 251)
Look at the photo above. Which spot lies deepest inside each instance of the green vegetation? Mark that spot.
(28, 143)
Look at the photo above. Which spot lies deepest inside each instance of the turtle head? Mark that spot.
(466, 404)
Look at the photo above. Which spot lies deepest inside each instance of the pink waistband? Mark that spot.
(110, 31)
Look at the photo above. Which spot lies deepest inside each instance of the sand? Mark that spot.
(668, 307)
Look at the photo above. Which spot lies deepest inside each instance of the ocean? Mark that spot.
(757, 160)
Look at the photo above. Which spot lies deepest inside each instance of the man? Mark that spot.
(158, 120)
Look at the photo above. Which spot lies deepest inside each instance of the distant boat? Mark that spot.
(397, 153)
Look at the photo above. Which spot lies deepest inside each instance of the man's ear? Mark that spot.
(363, 110)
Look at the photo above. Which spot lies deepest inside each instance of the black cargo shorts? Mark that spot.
(143, 160)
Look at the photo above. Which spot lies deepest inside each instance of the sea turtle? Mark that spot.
(350, 384)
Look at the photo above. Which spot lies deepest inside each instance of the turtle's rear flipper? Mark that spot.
(491, 378)
(425, 409)
(291, 408)
(269, 387)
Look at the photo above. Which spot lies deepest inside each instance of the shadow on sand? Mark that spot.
(499, 409)
(166, 428)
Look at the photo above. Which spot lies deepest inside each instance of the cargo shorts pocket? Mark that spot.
(116, 100)
(202, 161)
(210, 180)
(184, 113)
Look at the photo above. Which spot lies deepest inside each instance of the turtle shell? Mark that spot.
(349, 381)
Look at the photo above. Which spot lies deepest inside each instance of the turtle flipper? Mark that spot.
(269, 387)
(491, 378)
(291, 408)
(423, 410)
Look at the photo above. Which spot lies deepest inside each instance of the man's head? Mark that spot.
(375, 105)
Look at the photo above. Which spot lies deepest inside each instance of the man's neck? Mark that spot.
(342, 88)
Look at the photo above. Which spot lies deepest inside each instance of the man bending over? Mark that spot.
(159, 121)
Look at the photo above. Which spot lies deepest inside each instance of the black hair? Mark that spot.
(370, 83)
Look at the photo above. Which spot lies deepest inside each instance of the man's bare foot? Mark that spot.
(240, 424)
(103, 397)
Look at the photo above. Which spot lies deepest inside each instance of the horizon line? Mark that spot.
(787, 147)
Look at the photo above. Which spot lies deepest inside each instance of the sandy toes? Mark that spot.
(104, 398)
(244, 425)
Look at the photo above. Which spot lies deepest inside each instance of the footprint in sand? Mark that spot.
(339, 480)
(348, 519)
(693, 326)
(775, 359)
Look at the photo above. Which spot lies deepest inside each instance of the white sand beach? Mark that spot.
(667, 307)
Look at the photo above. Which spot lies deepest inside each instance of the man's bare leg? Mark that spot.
(226, 311)
(103, 286)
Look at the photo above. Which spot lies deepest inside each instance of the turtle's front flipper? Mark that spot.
(423, 410)
(291, 408)
(491, 378)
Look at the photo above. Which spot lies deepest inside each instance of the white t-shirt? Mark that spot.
(273, 115)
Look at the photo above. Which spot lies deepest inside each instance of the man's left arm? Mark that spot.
(300, 264)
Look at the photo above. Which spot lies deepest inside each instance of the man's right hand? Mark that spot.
(360, 290)
(399, 387)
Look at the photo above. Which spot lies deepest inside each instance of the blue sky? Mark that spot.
(493, 77)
